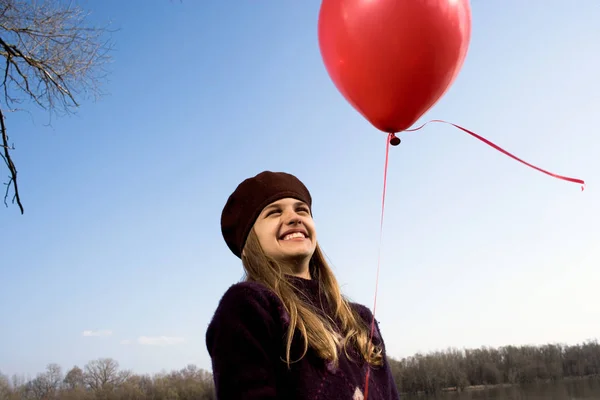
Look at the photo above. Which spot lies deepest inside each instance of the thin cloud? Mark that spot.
(97, 333)
(125, 342)
(160, 340)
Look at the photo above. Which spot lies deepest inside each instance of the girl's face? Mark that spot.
(286, 232)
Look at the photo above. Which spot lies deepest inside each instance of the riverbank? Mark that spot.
(507, 385)
(479, 388)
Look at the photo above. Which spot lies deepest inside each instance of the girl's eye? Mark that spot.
(303, 209)
(272, 212)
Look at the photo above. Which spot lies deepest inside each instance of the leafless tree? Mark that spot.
(51, 57)
(5, 389)
(46, 385)
(74, 378)
(103, 374)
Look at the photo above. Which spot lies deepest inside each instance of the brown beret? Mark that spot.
(249, 199)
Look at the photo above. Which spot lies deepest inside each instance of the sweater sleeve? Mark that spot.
(242, 341)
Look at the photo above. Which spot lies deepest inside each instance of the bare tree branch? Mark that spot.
(51, 57)
(12, 180)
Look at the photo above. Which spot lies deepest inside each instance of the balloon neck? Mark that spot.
(394, 140)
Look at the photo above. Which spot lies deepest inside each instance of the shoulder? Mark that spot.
(246, 296)
(363, 311)
(246, 305)
(366, 315)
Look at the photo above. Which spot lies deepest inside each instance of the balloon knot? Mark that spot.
(394, 140)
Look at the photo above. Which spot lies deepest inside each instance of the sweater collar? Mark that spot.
(308, 288)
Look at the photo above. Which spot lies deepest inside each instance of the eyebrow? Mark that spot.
(276, 205)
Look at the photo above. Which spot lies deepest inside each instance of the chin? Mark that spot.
(297, 256)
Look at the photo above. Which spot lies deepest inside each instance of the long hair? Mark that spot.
(316, 331)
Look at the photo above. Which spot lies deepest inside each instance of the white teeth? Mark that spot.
(294, 236)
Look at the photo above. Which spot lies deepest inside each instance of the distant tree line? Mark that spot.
(459, 369)
(103, 380)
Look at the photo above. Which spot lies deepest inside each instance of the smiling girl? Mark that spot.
(286, 332)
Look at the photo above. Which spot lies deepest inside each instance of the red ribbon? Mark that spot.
(500, 149)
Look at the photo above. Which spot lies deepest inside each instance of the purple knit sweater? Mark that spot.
(246, 340)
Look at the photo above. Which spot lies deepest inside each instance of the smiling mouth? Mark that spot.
(295, 235)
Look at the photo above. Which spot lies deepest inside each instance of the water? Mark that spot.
(582, 389)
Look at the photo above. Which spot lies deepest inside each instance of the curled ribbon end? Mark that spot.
(495, 146)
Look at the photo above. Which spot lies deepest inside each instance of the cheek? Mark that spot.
(268, 242)
(311, 227)
(266, 233)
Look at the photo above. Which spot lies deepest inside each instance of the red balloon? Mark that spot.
(394, 59)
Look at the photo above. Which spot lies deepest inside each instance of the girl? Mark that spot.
(286, 332)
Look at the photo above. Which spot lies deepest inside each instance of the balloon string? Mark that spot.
(495, 146)
(385, 170)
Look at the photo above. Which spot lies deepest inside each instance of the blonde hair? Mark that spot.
(316, 331)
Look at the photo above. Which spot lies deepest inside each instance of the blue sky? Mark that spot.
(122, 201)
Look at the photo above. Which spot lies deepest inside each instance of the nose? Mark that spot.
(292, 218)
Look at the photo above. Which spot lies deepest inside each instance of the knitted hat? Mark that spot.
(249, 199)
